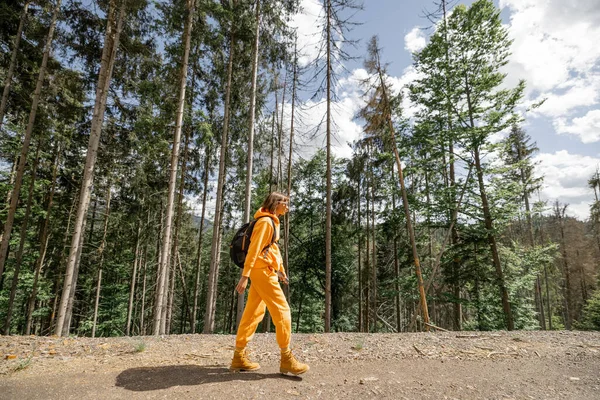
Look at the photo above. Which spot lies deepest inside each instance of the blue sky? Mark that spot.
(556, 49)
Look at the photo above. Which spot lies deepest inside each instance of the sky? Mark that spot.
(556, 50)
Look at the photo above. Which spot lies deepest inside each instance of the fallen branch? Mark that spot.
(418, 350)
(436, 327)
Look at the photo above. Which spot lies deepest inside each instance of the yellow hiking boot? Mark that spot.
(291, 365)
(241, 362)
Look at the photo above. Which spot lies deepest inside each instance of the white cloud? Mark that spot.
(309, 31)
(565, 178)
(415, 40)
(556, 50)
(586, 127)
(345, 128)
(580, 94)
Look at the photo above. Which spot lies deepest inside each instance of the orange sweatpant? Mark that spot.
(265, 292)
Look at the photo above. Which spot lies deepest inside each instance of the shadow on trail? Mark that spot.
(156, 378)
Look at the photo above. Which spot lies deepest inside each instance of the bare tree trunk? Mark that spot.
(160, 309)
(374, 254)
(396, 263)
(409, 228)
(200, 236)
(109, 52)
(287, 290)
(215, 251)
(359, 274)
(13, 62)
(280, 140)
(14, 200)
(143, 300)
(249, 167)
(328, 184)
(560, 213)
(22, 240)
(367, 311)
(43, 246)
(101, 251)
(175, 247)
(61, 259)
(71, 300)
(136, 259)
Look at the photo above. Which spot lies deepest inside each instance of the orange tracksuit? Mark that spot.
(265, 290)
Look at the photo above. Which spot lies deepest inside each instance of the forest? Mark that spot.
(137, 136)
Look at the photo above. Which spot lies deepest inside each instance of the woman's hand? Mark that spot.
(241, 286)
(282, 277)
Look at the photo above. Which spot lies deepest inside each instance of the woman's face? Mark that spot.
(282, 207)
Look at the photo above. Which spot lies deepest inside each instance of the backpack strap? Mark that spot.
(273, 239)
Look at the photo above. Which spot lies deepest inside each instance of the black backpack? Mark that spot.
(238, 249)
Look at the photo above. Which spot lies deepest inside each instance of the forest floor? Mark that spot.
(449, 365)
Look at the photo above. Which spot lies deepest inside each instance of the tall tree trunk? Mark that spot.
(215, 251)
(143, 300)
(373, 254)
(109, 53)
(61, 259)
(13, 62)
(175, 247)
(567, 286)
(44, 236)
(456, 286)
(22, 240)
(136, 259)
(396, 263)
(367, 315)
(280, 140)
(489, 223)
(409, 228)
(160, 306)
(200, 236)
(328, 184)
(359, 245)
(289, 176)
(249, 170)
(101, 254)
(16, 190)
(492, 243)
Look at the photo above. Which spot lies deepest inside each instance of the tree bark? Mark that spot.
(328, 28)
(136, 259)
(409, 228)
(109, 52)
(200, 236)
(14, 200)
(249, 167)
(215, 251)
(287, 290)
(44, 236)
(101, 254)
(160, 307)
(22, 240)
(396, 263)
(13, 63)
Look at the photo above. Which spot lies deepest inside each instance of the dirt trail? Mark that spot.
(456, 365)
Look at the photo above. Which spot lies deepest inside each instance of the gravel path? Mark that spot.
(453, 365)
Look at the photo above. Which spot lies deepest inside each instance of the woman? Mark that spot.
(264, 268)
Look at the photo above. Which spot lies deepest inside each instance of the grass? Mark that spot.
(24, 363)
(139, 346)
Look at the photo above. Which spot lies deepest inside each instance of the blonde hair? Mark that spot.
(272, 200)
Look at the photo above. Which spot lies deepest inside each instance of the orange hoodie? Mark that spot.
(261, 237)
